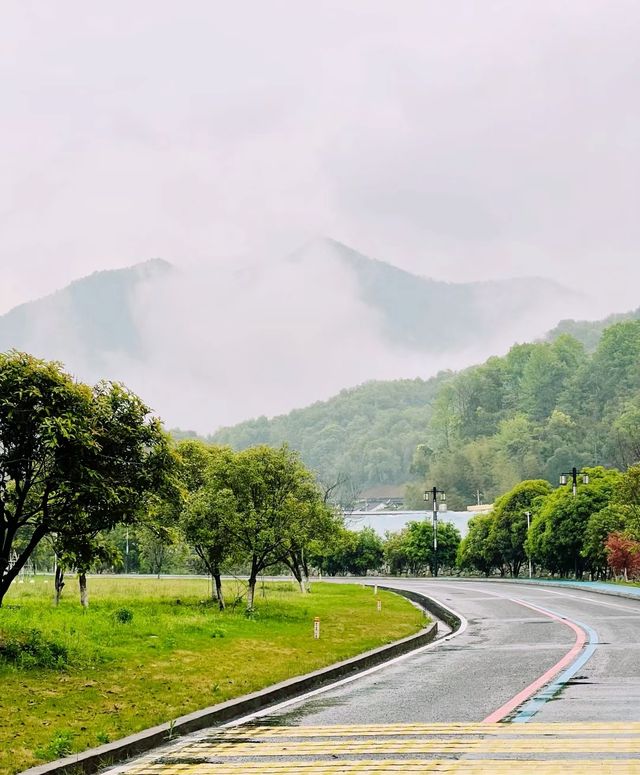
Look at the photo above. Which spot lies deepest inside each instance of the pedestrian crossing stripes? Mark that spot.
(448, 749)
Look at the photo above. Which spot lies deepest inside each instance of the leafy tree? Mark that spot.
(270, 489)
(420, 546)
(349, 551)
(509, 528)
(396, 557)
(73, 460)
(159, 545)
(367, 554)
(209, 522)
(611, 519)
(623, 555)
(558, 531)
(208, 518)
(478, 550)
(80, 551)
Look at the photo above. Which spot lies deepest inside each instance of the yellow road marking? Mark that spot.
(448, 749)
(448, 767)
(512, 746)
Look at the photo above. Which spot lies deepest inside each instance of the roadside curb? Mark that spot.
(582, 586)
(439, 611)
(93, 759)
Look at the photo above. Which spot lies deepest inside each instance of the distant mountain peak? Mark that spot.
(85, 321)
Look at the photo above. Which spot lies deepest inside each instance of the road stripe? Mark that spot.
(442, 766)
(572, 661)
(494, 749)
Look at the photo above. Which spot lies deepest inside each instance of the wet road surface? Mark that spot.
(425, 712)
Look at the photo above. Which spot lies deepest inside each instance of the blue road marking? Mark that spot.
(537, 702)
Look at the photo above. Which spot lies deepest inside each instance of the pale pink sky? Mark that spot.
(460, 139)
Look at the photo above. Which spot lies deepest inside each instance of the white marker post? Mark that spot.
(375, 589)
(316, 627)
(379, 606)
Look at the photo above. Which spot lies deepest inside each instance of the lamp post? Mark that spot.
(564, 478)
(528, 515)
(434, 495)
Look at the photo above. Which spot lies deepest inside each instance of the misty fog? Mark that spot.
(461, 140)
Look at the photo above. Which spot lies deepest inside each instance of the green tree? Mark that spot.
(627, 494)
(350, 551)
(420, 549)
(73, 460)
(557, 535)
(601, 524)
(396, 557)
(478, 550)
(270, 489)
(510, 522)
(208, 517)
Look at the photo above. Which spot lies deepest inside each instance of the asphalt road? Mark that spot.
(431, 703)
(504, 649)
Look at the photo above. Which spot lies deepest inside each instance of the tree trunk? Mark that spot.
(8, 575)
(218, 581)
(305, 574)
(251, 592)
(214, 588)
(297, 573)
(84, 592)
(58, 584)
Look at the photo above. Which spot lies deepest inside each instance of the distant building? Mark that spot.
(480, 508)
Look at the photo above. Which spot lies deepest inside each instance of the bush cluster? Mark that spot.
(29, 649)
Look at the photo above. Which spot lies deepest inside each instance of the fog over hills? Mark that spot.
(210, 346)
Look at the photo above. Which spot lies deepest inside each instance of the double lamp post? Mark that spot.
(438, 500)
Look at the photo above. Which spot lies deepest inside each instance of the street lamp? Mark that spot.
(574, 479)
(528, 515)
(434, 495)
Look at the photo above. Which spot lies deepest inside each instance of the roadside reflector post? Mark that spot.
(316, 627)
(375, 589)
(379, 605)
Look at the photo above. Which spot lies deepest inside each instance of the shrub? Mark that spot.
(60, 745)
(30, 649)
(123, 615)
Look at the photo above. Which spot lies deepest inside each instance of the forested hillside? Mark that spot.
(535, 413)
(531, 414)
(367, 434)
(589, 331)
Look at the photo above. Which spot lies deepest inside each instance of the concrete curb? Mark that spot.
(92, 760)
(428, 603)
(582, 586)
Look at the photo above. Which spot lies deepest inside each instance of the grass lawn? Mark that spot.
(150, 650)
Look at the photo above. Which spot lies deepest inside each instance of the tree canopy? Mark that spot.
(74, 460)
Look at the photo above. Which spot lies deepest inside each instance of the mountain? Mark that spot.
(89, 319)
(434, 316)
(210, 345)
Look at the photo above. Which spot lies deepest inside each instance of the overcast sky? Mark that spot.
(458, 138)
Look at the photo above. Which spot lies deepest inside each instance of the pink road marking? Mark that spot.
(566, 660)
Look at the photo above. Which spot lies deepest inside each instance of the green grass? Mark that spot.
(148, 651)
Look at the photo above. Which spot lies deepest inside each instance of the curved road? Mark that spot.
(431, 704)
(505, 648)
